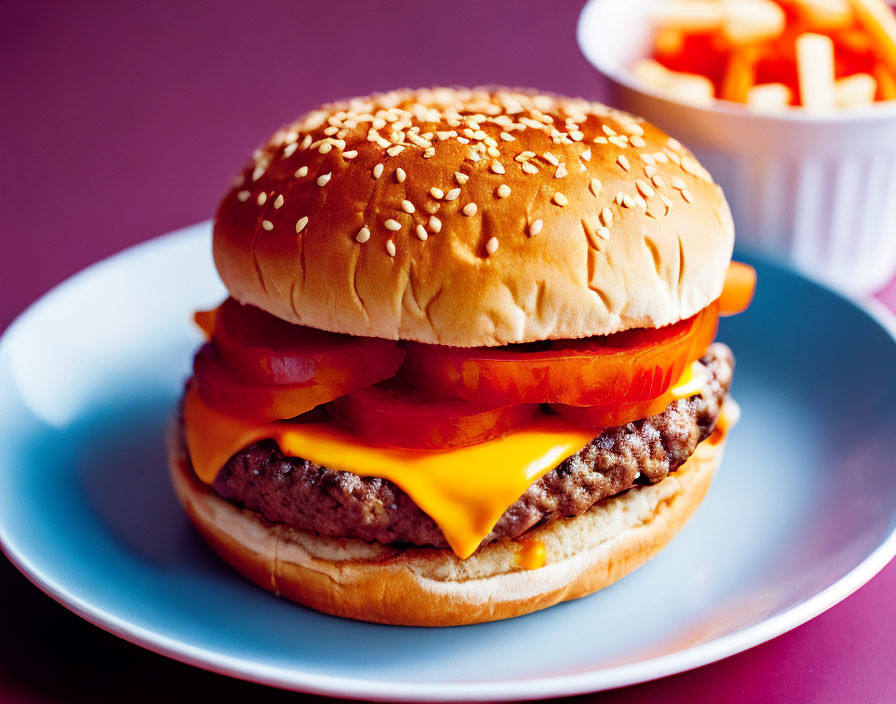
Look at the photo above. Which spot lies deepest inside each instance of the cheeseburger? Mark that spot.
(466, 369)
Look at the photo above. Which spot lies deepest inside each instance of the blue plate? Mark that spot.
(801, 513)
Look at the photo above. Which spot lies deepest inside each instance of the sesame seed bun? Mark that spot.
(473, 217)
(433, 587)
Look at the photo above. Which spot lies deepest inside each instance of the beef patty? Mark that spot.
(300, 493)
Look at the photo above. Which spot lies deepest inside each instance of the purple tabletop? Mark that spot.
(122, 121)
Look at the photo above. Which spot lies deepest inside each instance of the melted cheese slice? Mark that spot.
(464, 490)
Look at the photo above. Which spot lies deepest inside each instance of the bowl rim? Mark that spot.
(880, 111)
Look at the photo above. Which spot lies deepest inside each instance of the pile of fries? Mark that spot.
(820, 55)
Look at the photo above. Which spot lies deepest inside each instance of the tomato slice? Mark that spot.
(392, 414)
(635, 365)
(260, 347)
(220, 388)
(737, 293)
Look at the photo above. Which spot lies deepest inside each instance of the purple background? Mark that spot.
(122, 121)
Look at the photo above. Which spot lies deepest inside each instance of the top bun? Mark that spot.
(473, 217)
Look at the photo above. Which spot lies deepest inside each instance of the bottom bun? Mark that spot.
(420, 586)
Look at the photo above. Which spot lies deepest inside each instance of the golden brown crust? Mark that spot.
(433, 587)
(597, 265)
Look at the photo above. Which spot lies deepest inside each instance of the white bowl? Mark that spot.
(819, 191)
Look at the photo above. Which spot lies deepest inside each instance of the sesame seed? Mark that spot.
(661, 157)
(301, 172)
(390, 248)
(377, 170)
(289, 150)
(324, 179)
(674, 144)
(551, 158)
(300, 225)
(635, 129)
(453, 194)
(325, 148)
(658, 181)
(595, 187)
(363, 235)
(507, 137)
(503, 190)
(650, 171)
(435, 224)
(609, 131)
(586, 155)
(637, 141)
(278, 203)
(619, 198)
(678, 184)
(600, 140)
(407, 206)
(429, 152)
(667, 202)
(470, 209)
(437, 193)
(576, 135)
(628, 201)
(331, 130)
(674, 157)
(606, 216)
(267, 225)
(643, 187)
(461, 178)
(536, 227)
(560, 199)
(395, 150)
(262, 198)
(648, 159)
(473, 155)
(687, 196)
(603, 232)
(640, 201)
(351, 154)
(400, 175)
(242, 196)
(529, 167)
(623, 162)
(492, 245)
(497, 167)
(393, 225)
(463, 140)
(306, 142)
(524, 156)
(421, 233)
(257, 173)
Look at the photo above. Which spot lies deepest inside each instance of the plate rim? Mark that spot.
(386, 690)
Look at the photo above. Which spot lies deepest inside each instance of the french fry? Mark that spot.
(823, 15)
(687, 15)
(876, 17)
(751, 21)
(855, 90)
(886, 83)
(740, 75)
(815, 71)
(686, 87)
(769, 97)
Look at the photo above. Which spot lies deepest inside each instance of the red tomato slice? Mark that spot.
(220, 388)
(262, 348)
(613, 417)
(635, 365)
(396, 416)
